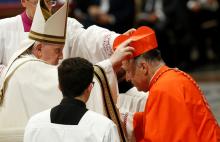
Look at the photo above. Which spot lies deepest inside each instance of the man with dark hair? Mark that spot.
(74, 75)
(75, 121)
(176, 109)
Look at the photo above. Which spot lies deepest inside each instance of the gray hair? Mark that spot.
(153, 57)
(30, 49)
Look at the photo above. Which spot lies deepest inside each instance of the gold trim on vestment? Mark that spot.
(109, 105)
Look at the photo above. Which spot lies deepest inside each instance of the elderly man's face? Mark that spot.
(51, 53)
(136, 74)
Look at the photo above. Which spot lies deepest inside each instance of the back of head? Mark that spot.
(75, 75)
(152, 55)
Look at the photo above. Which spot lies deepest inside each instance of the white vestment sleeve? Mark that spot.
(111, 76)
(94, 43)
(95, 101)
(128, 103)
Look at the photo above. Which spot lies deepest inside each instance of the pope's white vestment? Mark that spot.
(92, 127)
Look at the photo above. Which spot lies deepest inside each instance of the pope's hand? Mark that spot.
(122, 52)
(130, 31)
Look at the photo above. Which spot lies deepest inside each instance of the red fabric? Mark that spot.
(27, 22)
(138, 125)
(176, 111)
(143, 40)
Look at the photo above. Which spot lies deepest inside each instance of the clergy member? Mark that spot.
(71, 120)
(176, 109)
(28, 79)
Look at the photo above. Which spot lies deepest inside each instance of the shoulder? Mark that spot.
(33, 68)
(174, 77)
(98, 124)
(33, 64)
(10, 21)
(97, 115)
(173, 85)
(40, 117)
(99, 119)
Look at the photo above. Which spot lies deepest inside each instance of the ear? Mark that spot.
(87, 92)
(89, 89)
(144, 67)
(38, 50)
